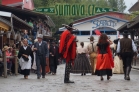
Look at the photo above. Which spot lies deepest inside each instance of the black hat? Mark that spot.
(71, 24)
(69, 27)
(91, 38)
(126, 32)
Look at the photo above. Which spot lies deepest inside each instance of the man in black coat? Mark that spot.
(126, 47)
(54, 56)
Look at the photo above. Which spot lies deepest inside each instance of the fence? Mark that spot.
(5, 63)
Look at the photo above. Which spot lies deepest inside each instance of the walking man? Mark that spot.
(92, 49)
(126, 48)
(42, 55)
(67, 50)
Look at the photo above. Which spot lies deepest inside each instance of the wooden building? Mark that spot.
(11, 26)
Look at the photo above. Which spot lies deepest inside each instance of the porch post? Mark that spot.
(16, 62)
(5, 65)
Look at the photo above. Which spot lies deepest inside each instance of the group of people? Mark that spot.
(96, 59)
(100, 55)
(9, 52)
(39, 27)
(44, 56)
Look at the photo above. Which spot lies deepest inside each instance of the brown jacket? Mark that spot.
(126, 45)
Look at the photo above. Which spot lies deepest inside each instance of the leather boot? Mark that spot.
(124, 73)
(128, 69)
(68, 81)
(67, 73)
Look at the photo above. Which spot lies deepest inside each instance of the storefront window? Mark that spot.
(85, 32)
(111, 32)
(77, 32)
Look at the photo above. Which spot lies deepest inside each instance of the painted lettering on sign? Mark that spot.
(104, 23)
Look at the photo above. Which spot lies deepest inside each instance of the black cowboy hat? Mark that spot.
(126, 32)
(69, 27)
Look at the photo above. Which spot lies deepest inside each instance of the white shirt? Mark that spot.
(81, 50)
(134, 48)
(25, 47)
(40, 43)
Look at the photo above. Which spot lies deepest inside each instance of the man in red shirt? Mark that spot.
(67, 49)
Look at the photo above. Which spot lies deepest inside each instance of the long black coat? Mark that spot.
(56, 55)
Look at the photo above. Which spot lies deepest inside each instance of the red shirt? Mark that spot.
(8, 54)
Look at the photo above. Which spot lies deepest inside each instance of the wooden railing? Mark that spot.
(5, 63)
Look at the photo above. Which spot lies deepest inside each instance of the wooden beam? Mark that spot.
(5, 65)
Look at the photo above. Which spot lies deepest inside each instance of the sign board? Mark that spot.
(104, 22)
(101, 10)
(47, 10)
(74, 10)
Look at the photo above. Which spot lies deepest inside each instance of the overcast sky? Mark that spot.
(129, 4)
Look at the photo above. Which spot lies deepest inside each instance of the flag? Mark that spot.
(97, 32)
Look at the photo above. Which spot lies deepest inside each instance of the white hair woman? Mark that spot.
(24, 56)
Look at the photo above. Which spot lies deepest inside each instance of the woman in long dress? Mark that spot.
(81, 64)
(24, 56)
(118, 63)
(105, 62)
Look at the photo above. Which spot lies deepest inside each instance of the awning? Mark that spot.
(50, 22)
(127, 26)
(4, 25)
(23, 14)
(17, 22)
(134, 23)
(123, 27)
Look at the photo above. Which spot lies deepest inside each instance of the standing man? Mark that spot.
(126, 48)
(67, 50)
(54, 56)
(92, 50)
(42, 55)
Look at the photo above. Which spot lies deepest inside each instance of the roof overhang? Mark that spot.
(4, 25)
(135, 7)
(50, 22)
(90, 20)
(6, 14)
(123, 27)
(17, 22)
(24, 14)
(98, 15)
